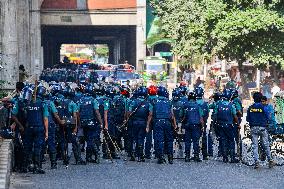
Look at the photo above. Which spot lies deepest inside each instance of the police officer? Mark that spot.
(194, 125)
(214, 132)
(199, 92)
(152, 96)
(141, 112)
(257, 117)
(68, 111)
(91, 121)
(52, 119)
(239, 108)
(177, 105)
(163, 117)
(36, 129)
(226, 117)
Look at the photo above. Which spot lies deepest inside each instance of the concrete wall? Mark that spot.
(111, 4)
(59, 4)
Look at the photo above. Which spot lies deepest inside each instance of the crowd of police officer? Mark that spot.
(105, 119)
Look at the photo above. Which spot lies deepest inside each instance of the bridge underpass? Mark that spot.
(121, 41)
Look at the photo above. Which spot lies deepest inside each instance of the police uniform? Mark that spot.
(142, 109)
(149, 135)
(51, 141)
(34, 133)
(226, 112)
(163, 131)
(66, 110)
(205, 109)
(87, 108)
(193, 114)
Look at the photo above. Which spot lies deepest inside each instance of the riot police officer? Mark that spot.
(91, 121)
(36, 128)
(141, 112)
(193, 125)
(226, 118)
(164, 125)
(199, 92)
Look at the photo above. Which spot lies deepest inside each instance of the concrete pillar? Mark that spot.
(141, 31)
(10, 43)
(36, 59)
(23, 20)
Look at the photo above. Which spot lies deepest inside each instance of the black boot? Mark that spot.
(97, 156)
(77, 156)
(187, 157)
(37, 166)
(141, 157)
(170, 159)
(53, 160)
(89, 156)
(196, 158)
(161, 159)
(115, 156)
(132, 157)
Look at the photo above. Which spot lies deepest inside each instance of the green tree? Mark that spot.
(233, 29)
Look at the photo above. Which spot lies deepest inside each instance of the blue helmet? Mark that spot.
(27, 94)
(176, 93)
(41, 91)
(110, 91)
(183, 90)
(227, 94)
(142, 92)
(234, 92)
(89, 89)
(191, 96)
(217, 96)
(162, 91)
(68, 91)
(56, 89)
(199, 92)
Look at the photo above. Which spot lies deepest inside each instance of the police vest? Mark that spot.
(63, 112)
(142, 109)
(257, 115)
(205, 109)
(35, 114)
(117, 110)
(87, 108)
(162, 109)
(101, 101)
(224, 113)
(177, 108)
(193, 115)
(51, 116)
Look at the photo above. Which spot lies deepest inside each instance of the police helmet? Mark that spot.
(41, 91)
(56, 89)
(152, 90)
(199, 92)
(142, 91)
(176, 93)
(217, 96)
(125, 91)
(234, 92)
(27, 94)
(162, 91)
(69, 91)
(183, 90)
(89, 89)
(191, 96)
(110, 92)
(227, 94)
(100, 91)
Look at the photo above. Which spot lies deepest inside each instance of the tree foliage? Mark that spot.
(233, 29)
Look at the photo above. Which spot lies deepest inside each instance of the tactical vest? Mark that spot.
(205, 109)
(63, 112)
(224, 113)
(193, 116)
(87, 109)
(35, 114)
(177, 108)
(117, 110)
(142, 109)
(162, 109)
(257, 115)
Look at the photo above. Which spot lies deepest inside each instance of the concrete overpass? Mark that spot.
(33, 31)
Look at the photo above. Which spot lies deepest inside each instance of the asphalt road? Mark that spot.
(124, 174)
(127, 175)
